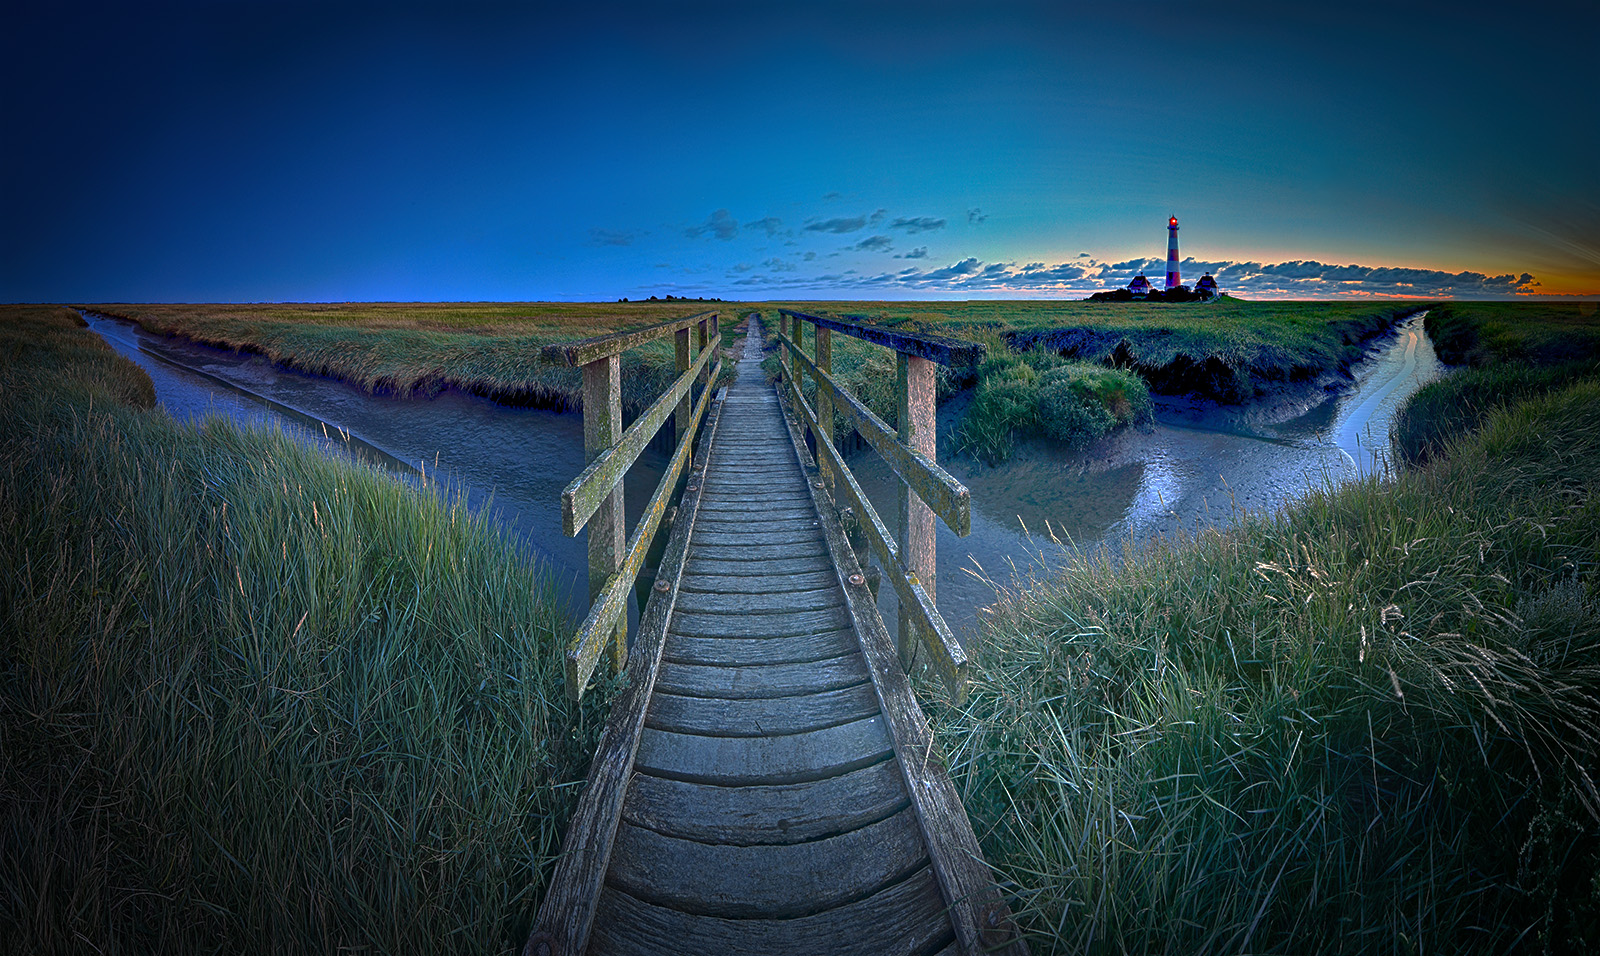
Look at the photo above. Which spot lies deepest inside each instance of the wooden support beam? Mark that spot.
(602, 428)
(917, 430)
(604, 474)
(948, 658)
(680, 422)
(948, 497)
(611, 604)
(798, 336)
(824, 351)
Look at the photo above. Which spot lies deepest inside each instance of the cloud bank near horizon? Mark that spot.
(1299, 279)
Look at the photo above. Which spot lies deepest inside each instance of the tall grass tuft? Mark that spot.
(1041, 394)
(253, 699)
(1370, 724)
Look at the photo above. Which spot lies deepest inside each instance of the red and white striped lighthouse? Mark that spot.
(1172, 253)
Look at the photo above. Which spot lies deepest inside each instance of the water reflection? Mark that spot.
(1189, 471)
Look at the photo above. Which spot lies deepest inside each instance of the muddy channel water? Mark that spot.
(1198, 465)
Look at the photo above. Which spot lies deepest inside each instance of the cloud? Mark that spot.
(779, 265)
(841, 226)
(975, 216)
(874, 244)
(919, 224)
(809, 256)
(771, 225)
(877, 216)
(832, 196)
(719, 224)
(613, 237)
(1077, 278)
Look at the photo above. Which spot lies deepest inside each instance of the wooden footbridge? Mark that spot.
(766, 782)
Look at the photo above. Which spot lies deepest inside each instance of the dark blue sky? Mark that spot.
(233, 150)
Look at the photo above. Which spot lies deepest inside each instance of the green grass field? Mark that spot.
(489, 349)
(1369, 724)
(1512, 350)
(254, 699)
(1230, 350)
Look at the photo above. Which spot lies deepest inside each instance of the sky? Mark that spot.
(234, 150)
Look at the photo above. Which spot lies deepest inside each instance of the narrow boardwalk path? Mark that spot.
(766, 809)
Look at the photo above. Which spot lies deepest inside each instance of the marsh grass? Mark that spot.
(1514, 351)
(1369, 724)
(489, 349)
(1041, 394)
(254, 699)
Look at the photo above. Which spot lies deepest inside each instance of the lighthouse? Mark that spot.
(1172, 253)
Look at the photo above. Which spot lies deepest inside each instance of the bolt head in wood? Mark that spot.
(663, 586)
(858, 578)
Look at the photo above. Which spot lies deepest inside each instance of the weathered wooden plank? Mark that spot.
(935, 348)
(906, 919)
(768, 514)
(584, 351)
(747, 816)
(763, 533)
(567, 913)
(772, 881)
(700, 565)
(761, 680)
(760, 716)
(765, 584)
(719, 502)
(758, 603)
(980, 916)
(604, 474)
(739, 761)
(759, 552)
(765, 625)
(726, 651)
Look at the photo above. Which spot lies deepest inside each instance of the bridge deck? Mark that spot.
(766, 808)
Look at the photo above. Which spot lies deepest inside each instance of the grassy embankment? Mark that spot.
(1117, 353)
(1369, 724)
(1072, 371)
(489, 349)
(253, 699)
(1512, 351)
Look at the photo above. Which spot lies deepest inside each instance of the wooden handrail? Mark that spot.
(947, 497)
(949, 659)
(587, 491)
(594, 498)
(587, 351)
(938, 349)
(926, 490)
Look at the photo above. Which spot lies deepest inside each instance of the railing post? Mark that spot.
(797, 333)
(917, 427)
(602, 428)
(701, 338)
(680, 420)
(825, 399)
